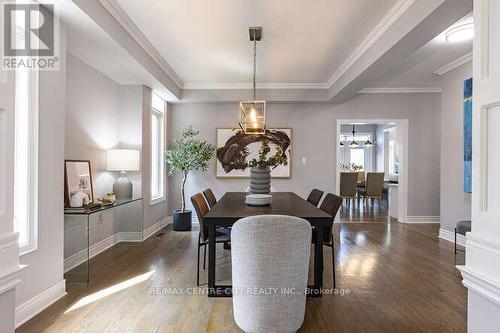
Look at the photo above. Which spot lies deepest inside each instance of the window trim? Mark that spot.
(33, 143)
(153, 200)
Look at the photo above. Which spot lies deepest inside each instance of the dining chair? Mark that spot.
(270, 253)
(348, 185)
(222, 234)
(374, 187)
(330, 205)
(210, 197)
(315, 196)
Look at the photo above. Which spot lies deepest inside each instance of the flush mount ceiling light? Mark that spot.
(460, 33)
(252, 115)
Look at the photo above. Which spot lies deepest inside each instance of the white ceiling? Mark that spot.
(304, 41)
(418, 70)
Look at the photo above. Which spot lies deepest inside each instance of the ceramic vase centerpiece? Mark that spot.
(260, 168)
(260, 180)
(188, 153)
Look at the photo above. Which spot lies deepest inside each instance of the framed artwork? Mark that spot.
(78, 190)
(235, 149)
(468, 135)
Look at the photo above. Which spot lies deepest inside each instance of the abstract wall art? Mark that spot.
(235, 149)
(468, 135)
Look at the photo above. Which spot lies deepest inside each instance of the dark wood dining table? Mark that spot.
(231, 207)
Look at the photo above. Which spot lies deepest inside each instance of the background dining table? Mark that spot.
(231, 207)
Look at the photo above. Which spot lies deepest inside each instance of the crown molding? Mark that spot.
(454, 64)
(246, 86)
(387, 21)
(126, 22)
(401, 90)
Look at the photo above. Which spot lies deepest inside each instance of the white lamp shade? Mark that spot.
(123, 160)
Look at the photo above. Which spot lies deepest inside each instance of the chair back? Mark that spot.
(210, 197)
(315, 196)
(201, 208)
(348, 183)
(374, 183)
(330, 205)
(361, 177)
(267, 252)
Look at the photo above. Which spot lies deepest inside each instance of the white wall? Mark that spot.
(44, 273)
(314, 133)
(455, 203)
(92, 120)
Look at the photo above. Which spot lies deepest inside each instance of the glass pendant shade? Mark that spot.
(252, 117)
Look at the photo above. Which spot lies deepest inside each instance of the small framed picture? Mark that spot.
(78, 190)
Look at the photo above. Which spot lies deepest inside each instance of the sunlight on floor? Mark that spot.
(110, 290)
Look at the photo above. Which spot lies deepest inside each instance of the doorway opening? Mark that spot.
(371, 170)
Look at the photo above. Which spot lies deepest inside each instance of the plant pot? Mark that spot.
(260, 180)
(182, 220)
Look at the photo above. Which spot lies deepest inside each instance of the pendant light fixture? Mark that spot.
(368, 143)
(252, 115)
(353, 144)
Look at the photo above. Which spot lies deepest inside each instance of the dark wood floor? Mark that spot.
(365, 212)
(399, 278)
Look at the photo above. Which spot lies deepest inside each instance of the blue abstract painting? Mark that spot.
(468, 135)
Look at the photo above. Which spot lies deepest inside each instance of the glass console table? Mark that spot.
(90, 232)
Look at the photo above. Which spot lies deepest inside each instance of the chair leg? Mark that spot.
(333, 263)
(455, 240)
(204, 255)
(198, 267)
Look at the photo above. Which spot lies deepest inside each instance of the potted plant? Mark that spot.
(188, 153)
(260, 169)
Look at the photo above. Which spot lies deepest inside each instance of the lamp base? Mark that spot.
(122, 188)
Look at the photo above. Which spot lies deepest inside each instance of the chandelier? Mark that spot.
(252, 115)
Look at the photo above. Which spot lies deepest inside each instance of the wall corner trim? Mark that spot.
(450, 236)
(35, 305)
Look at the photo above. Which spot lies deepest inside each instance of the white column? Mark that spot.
(481, 272)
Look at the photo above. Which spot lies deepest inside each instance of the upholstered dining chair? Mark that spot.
(222, 235)
(315, 196)
(330, 205)
(348, 185)
(374, 187)
(270, 253)
(210, 197)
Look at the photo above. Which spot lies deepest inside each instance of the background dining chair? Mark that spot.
(374, 187)
(210, 197)
(348, 184)
(330, 205)
(361, 178)
(222, 236)
(270, 251)
(315, 196)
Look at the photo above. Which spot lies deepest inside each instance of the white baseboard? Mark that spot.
(423, 219)
(35, 305)
(450, 236)
(150, 231)
(121, 237)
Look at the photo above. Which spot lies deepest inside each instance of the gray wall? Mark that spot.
(314, 133)
(455, 203)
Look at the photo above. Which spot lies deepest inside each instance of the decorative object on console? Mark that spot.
(78, 190)
(236, 151)
(252, 115)
(123, 160)
(108, 200)
(187, 154)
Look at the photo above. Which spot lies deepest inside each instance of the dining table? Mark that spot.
(232, 207)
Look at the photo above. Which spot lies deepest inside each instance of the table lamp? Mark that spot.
(123, 160)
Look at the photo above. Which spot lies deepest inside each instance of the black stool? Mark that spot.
(462, 228)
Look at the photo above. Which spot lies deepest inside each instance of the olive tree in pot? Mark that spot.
(188, 153)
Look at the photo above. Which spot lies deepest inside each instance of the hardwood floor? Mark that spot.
(396, 278)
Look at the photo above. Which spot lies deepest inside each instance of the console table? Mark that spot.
(123, 223)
